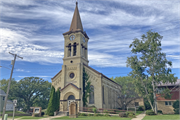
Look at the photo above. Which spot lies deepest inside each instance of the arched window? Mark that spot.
(71, 97)
(91, 95)
(69, 50)
(74, 49)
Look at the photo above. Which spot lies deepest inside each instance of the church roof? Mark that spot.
(101, 74)
(76, 21)
(76, 24)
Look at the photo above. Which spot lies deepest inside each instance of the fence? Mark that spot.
(101, 110)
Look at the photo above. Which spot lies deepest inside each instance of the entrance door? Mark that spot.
(71, 98)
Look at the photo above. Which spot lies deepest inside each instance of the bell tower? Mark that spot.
(75, 42)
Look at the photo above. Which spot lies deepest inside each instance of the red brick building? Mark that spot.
(166, 104)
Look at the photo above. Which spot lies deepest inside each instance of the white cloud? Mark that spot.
(35, 31)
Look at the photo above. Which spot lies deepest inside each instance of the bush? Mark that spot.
(42, 113)
(107, 114)
(105, 111)
(141, 108)
(160, 111)
(82, 114)
(94, 110)
(176, 107)
(122, 114)
(150, 112)
(90, 114)
(98, 114)
(130, 114)
(176, 104)
(176, 111)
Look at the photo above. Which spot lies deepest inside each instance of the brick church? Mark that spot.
(70, 79)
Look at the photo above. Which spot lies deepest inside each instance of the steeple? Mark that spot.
(76, 24)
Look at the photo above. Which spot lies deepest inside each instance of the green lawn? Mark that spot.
(12, 112)
(162, 117)
(91, 118)
(30, 117)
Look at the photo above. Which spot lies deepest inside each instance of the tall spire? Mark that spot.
(76, 24)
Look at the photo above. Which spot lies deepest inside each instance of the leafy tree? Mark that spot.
(57, 99)
(28, 91)
(52, 102)
(86, 87)
(149, 66)
(126, 93)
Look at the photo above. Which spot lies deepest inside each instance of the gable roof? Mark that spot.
(2, 93)
(101, 74)
(71, 85)
(56, 75)
(170, 84)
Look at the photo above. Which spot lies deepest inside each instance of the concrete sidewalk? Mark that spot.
(48, 118)
(140, 116)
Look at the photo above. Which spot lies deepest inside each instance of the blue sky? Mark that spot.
(33, 29)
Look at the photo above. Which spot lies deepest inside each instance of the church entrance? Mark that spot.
(71, 98)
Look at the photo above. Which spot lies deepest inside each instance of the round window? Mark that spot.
(71, 75)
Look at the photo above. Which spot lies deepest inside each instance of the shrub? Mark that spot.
(90, 114)
(176, 104)
(130, 114)
(98, 114)
(160, 111)
(150, 112)
(141, 108)
(107, 114)
(42, 113)
(105, 111)
(176, 111)
(176, 107)
(94, 110)
(83, 114)
(122, 114)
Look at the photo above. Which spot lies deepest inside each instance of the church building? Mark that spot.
(70, 79)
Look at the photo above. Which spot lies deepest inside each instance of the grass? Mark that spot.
(162, 117)
(30, 117)
(12, 112)
(91, 117)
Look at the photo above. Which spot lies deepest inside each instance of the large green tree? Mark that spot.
(126, 93)
(29, 91)
(149, 66)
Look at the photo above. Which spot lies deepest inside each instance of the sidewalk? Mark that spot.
(140, 116)
(48, 118)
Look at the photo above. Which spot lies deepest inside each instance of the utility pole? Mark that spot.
(4, 108)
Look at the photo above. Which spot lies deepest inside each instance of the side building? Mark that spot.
(165, 104)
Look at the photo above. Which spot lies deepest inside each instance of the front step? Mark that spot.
(65, 113)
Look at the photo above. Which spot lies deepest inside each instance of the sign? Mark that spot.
(36, 110)
(14, 101)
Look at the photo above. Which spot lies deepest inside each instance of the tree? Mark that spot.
(86, 87)
(126, 93)
(149, 66)
(52, 102)
(28, 91)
